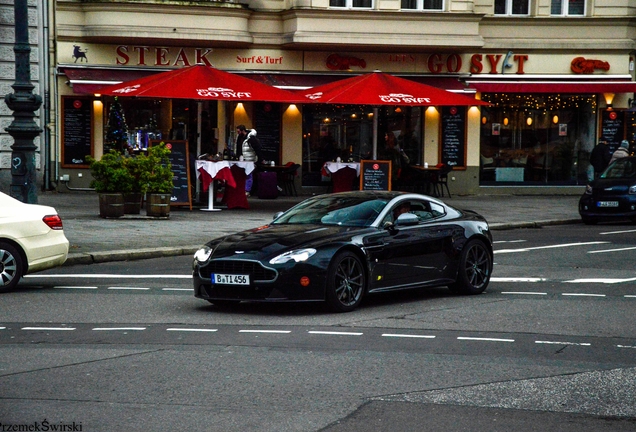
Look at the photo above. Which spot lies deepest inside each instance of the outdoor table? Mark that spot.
(429, 176)
(233, 172)
(342, 174)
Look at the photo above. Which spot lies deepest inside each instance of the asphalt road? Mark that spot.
(551, 345)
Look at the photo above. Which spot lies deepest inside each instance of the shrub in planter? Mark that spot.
(157, 180)
(111, 180)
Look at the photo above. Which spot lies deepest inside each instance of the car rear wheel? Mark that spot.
(11, 266)
(475, 268)
(346, 282)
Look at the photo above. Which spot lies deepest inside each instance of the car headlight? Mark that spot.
(632, 190)
(588, 189)
(203, 254)
(299, 255)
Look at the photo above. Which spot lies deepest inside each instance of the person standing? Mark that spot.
(251, 151)
(621, 152)
(600, 158)
(241, 135)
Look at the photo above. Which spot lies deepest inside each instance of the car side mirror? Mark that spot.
(277, 215)
(407, 219)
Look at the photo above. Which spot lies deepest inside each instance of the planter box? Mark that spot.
(111, 205)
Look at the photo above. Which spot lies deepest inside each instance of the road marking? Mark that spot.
(611, 250)
(3, 328)
(583, 295)
(191, 330)
(484, 339)
(618, 232)
(128, 288)
(524, 293)
(600, 280)
(562, 343)
(49, 328)
(517, 279)
(176, 289)
(112, 276)
(75, 287)
(509, 241)
(397, 335)
(265, 331)
(119, 328)
(549, 247)
(630, 296)
(626, 346)
(335, 333)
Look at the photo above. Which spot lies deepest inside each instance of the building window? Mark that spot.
(422, 5)
(351, 4)
(568, 7)
(512, 7)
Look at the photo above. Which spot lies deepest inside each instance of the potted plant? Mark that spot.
(111, 179)
(157, 180)
(132, 199)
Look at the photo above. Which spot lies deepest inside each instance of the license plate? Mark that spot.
(608, 203)
(230, 279)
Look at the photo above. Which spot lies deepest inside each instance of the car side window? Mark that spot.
(424, 210)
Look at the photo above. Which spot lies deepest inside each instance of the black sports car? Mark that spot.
(612, 196)
(339, 247)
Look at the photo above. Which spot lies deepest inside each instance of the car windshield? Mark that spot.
(621, 168)
(334, 210)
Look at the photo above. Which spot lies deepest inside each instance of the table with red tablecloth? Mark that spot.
(234, 173)
(342, 175)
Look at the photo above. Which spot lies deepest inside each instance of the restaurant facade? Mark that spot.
(552, 95)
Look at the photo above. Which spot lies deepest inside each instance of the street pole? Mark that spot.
(23, 103)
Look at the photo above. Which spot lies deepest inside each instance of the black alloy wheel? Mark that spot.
(11, 266)
(475, 268)
(346, 282)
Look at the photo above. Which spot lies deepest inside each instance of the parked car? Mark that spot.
(612, 196)
(31, 239)
(337, 248)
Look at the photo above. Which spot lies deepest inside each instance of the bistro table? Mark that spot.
(233, 172)
(427, 179)
(342, 174)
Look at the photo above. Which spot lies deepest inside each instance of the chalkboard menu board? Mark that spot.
(612, 128)
(77, 131)
(268, 119)
(180, 161)
(375, 175)
(453, 136)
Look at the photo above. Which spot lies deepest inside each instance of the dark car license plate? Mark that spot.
(607, 203)
(230, 279)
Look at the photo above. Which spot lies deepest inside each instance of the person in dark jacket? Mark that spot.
(600, 157)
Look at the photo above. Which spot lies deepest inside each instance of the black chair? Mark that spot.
(441, 180)
(287, 180)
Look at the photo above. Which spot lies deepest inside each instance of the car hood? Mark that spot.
(271, 240)
(612, 186)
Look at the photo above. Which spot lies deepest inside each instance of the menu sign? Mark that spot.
(268, 119)
(612, 128)
(77, 137)
(375, 175)
(453, 139)
(180, 161)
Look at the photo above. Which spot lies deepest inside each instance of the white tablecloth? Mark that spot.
(213, 168)
(335, 166)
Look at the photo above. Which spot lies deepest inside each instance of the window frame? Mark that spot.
(565, 8)
(420, 7)
(509, 9)
(349, 5)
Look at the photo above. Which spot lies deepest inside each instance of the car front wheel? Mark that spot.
(475, 268)
(11, 266)
(346, 282)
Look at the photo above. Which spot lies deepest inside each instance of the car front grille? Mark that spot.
(254, 269)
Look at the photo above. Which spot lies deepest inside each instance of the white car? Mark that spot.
(31, 239)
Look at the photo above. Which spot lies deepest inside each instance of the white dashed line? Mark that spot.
(176, 289)
(583, 295)
(335, 333)
(517, 279)
(119, 328)
(265, 331)
(49, 328)
(547, 247)
(75, 287)
(484, 339)
(129, 288)
(408, 336)
(611, 250)
(630, 296)
(523, 293)
(192, 330)
(626, 346)
(600, 280)
(562, 343)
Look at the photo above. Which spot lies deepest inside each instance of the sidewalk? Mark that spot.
(94, 239)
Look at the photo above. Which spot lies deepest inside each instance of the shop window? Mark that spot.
(437, 5)
(568, 7)
(512, 7)
(346, 131)
(536, 139)
(351, 4)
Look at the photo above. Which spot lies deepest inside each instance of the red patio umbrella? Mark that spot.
(200, 82)
(379, 88)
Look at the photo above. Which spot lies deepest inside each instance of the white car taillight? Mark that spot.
(53, 221)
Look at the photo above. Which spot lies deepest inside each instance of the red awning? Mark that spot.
(553, 86)
(90, 80)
